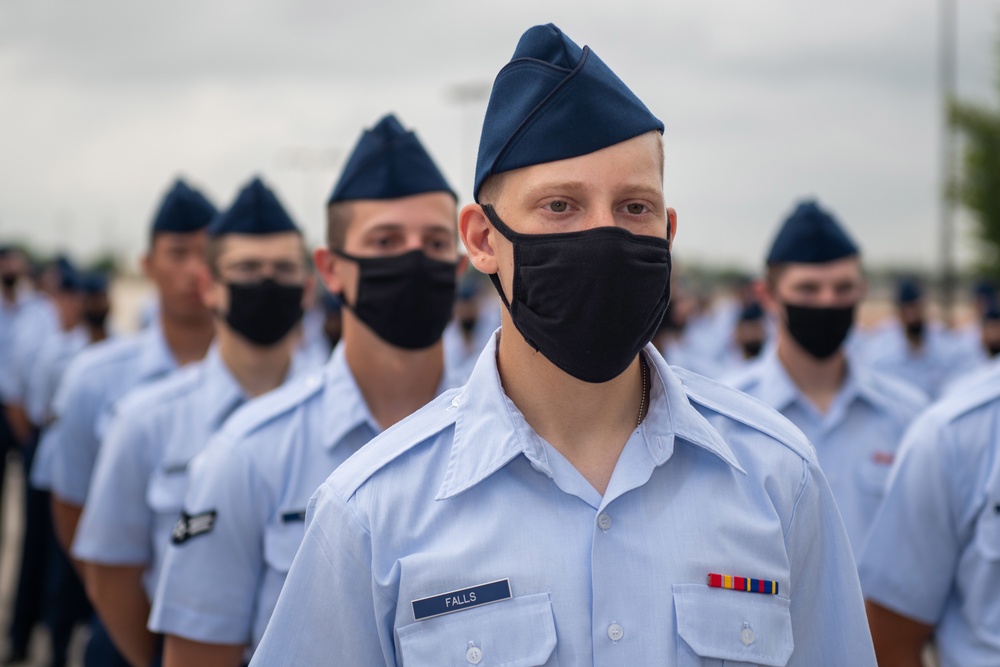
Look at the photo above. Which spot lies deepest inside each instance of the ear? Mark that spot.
(326, 261)
(145, 262)
(478, 238)
(762, 290)
(205, 285)
(671, 226)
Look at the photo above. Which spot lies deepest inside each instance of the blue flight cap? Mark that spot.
(811, 235)
(908, 291)
(992, 311)
(752, 312)
(70, 280)
(256, 211)
(388, 162)
(183, 210)
(555, 101)
(94, 282)
(984, 289)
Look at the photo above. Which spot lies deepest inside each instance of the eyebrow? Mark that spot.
(576, 186)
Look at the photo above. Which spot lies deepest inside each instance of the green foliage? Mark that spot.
(977, 187)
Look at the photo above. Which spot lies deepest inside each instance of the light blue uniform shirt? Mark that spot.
(37, 323)
(929, 369)
(855, 440)
(934, 551)
(257, 476)
(95, 380)
(10, 313)
(141, 473)
(53, 358)
(464, 493)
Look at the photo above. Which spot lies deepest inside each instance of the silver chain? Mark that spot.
(642, 403)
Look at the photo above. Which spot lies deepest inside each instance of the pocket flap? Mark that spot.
(734, 625)
(519, 632)
(167, 489)
(281, 543)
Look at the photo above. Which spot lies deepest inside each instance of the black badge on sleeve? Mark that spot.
(192, 525)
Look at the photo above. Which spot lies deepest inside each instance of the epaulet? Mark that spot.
(85, 367)
(110, 351)
(150, 396)
(392, 443)
(745, 409)
(900, 394)
(959, 403)
(259, 411)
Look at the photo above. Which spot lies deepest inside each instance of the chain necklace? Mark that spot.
(645, 382)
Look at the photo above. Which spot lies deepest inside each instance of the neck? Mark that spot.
(818, 379)
(394, 382)
(188, 340)
(257, 369)
(9, 295)
(96, 334)
(587, 423)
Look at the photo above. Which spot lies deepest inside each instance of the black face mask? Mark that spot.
(993, 349)
(467, 325)
(264, 312)
(915, 329)
(589, 301)
(406, 300)
(9, 280)
(752, 348)
(95, 318)
(820, 331)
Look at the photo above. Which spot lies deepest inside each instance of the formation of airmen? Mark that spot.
(361, 458)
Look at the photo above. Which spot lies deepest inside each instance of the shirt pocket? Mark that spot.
(281, 542)
(167, 489)
(724, 628)
(874, 476)
(519, 632)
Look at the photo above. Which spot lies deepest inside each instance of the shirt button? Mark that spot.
(604, 520)
(455, 402)
(615, 632)
(474, 655)
(747, 636)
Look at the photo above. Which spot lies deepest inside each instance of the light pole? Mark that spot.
(946, 82)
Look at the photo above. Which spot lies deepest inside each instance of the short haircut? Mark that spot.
(338, 219)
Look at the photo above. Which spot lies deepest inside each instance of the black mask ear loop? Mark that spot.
(508, 234)
(352, 258)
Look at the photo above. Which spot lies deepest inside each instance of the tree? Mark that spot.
(977, 186)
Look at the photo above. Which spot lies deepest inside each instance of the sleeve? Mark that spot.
(333, 563)
(70, 439)
(915, 535)
(829, 625)
(117, 522)
(212, 570)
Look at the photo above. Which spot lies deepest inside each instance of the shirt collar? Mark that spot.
(155, 359)
(223, 393)
(777, 389)
(490, 431)
(344, 408)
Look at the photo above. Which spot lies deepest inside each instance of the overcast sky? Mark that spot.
(103, 103)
